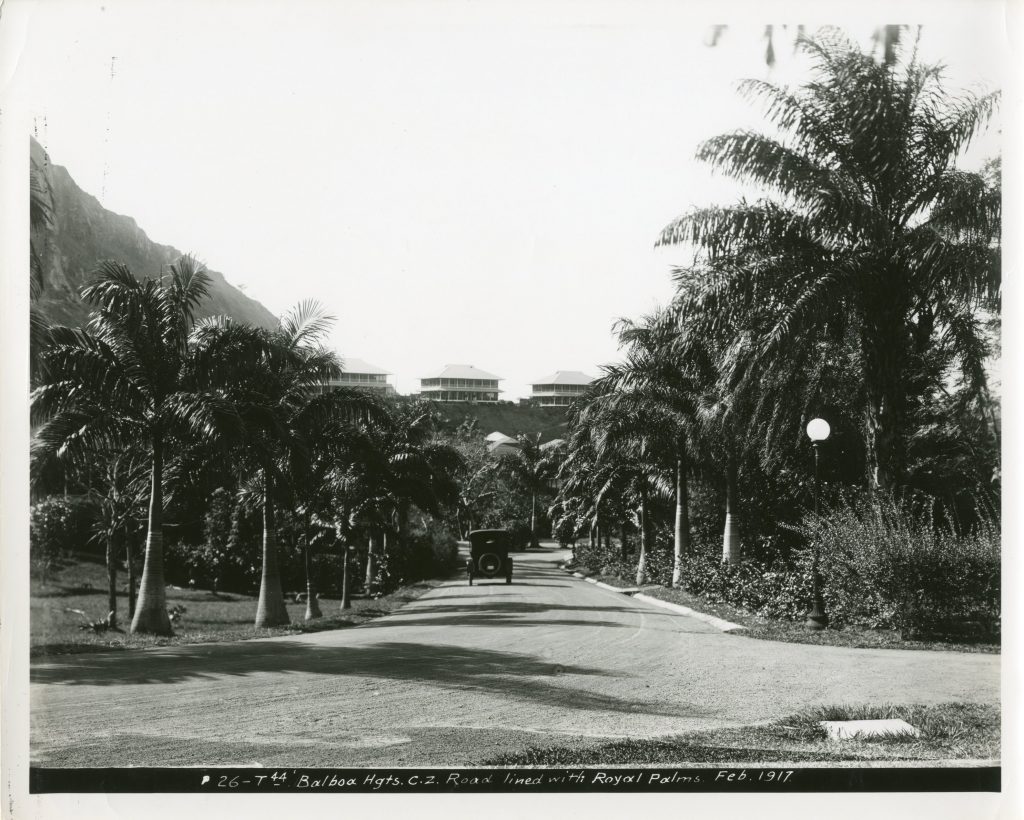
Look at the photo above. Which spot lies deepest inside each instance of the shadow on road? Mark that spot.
(509, 675)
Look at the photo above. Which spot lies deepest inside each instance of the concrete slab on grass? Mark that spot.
(867, 729)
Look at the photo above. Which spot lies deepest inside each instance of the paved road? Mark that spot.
(460, 675)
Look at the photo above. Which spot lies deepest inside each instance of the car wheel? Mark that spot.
(489, 564)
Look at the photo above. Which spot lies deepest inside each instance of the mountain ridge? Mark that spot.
(82, 233)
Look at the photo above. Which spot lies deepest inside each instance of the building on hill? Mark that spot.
(460, 382)
(363, 376)
(559, 389)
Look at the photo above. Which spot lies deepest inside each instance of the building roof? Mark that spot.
(499, 436)
(555, 442)
(352, 365)
(565, 377)
(461, 371)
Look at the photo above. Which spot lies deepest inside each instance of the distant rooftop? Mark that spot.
(565, 377)
(498, 437)
(352, 365)
(461, 371)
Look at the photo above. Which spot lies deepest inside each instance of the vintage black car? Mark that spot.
(488, 555)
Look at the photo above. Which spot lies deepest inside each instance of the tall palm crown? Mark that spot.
(125, 379)
(870, 228)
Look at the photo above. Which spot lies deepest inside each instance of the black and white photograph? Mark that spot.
(489, 400)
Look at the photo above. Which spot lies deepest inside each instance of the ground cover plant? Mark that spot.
(951, 731)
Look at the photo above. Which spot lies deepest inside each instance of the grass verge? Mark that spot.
(859, 637)
(56, 629)
(949, 731)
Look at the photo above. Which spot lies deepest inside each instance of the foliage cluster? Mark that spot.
(58, 526)
(886, 561)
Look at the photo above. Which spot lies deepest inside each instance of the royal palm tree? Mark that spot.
(123, 380)
(869, 230)
(530, 469)
(658, 378)
(626, 440)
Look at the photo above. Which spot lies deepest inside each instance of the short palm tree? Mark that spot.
(531, 470)
(658, 377)
(627, 437)
(123, 380)
(868, 230)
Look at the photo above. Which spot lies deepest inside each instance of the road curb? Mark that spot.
(603, 585)
(718, 623)
(636, 594)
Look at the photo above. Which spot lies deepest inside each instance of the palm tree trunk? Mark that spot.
(345, 602)
(882, 348)
(151, 610)
(623, 549)
(534, 542)
(402, 525)
(681, 542)
(312, 605)
(731, 534)
(641, 566)
(130, 561)
(270, 611)
(342, 537)
(371, 554)
(112, 552)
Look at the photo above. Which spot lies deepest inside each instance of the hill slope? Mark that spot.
(83, 233)
(510, 419)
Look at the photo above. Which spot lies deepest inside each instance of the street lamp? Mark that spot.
(817, 432)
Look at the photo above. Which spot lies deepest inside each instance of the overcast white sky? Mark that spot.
(457, 182)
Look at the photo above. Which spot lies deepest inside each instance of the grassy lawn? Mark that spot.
(952, 731)
(207, 617)
(793, 631)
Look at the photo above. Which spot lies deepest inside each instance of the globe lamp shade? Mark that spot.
(818, 429)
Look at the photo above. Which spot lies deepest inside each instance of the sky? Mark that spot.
(477, 183)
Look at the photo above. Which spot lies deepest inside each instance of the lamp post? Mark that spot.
(817, 431)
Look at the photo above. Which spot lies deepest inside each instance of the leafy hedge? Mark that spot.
(886, 562)
(893, 562)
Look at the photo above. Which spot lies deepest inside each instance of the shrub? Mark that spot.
(430, 551)
(885, 562)
(58, 526)
(519, 533)
(894, 562)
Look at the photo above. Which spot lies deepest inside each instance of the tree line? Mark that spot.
(862, 285)
(147, 405)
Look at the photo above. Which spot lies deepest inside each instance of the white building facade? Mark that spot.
(362, 375)
(460, 382)
(559, 389)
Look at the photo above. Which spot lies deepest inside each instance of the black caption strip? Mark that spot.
(471, 780)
